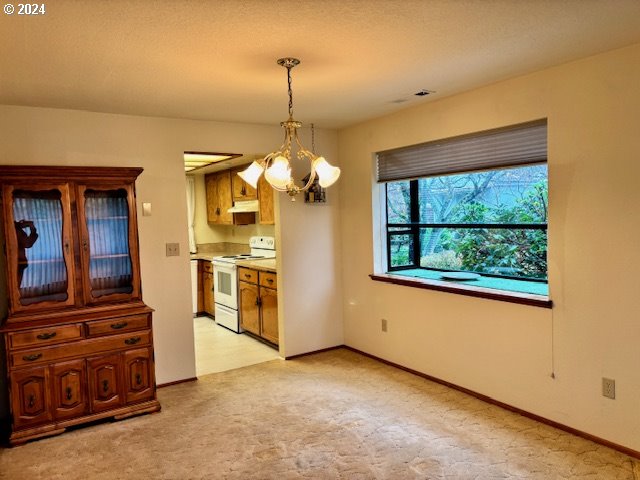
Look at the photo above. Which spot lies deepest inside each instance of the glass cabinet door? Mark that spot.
(39, 252)
(110, 260)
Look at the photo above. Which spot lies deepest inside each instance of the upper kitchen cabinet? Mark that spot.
(265, 197)
(71, 237)
(219, 201)
(219, 192)
(241, 189)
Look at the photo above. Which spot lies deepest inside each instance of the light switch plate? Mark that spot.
(146, 209)
(173, 249)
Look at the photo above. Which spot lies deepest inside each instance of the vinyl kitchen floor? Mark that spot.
(219, 349)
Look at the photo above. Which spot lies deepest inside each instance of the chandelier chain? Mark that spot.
(290, 92)
(313, 140)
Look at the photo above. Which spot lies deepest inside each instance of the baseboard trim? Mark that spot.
(291, 357)
(511, 408)
(184, 380)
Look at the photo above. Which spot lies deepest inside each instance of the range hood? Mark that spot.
(244, 206)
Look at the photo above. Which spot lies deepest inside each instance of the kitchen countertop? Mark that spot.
(205, 256)
(208, 256)
(265, 264)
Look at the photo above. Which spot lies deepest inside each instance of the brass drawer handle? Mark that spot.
(247, 275)
(119, 325)
(32, 357)
(269, 280)
(132, 340)
(46, 336)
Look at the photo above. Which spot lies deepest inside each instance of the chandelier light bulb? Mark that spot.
(327, 173)
(251, 174)
(278, 173)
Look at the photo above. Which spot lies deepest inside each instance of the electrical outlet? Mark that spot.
(384, 324)
(173, 249)
(609, 388)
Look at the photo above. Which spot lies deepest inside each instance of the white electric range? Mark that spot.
(225, 280)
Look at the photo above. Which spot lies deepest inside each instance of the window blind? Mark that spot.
(520, 144)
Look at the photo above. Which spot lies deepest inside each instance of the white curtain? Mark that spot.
(191, 211)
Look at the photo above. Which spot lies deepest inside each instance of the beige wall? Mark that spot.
(508, 351)
(310, 265)
(39, 136)
(206, 233)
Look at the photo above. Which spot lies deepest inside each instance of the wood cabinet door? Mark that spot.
(69, 389)
(266, 206)
(248, 303)
(39, 246)
(200, 307)
(207, 292)
(269, 314)
(138, 375)
(211, 191)
(108, 242)
(219, 199)
(104, 382)
(242, 190)
(30, 397)
(225, 200)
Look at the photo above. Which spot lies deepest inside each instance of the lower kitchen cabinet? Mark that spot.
(258, 303)
(208, 305)
(249, 304)
(269, 314)
(200, 298)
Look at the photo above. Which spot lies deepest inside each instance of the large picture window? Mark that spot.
(486, 221)
(492, 222)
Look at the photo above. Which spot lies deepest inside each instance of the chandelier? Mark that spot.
(277, 165)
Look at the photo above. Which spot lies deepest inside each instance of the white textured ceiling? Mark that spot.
(216, 59)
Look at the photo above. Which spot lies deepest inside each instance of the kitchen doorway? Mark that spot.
(218, 346)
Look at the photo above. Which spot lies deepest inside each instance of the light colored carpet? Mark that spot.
(330, 415)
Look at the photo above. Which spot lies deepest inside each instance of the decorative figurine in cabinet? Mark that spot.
(78, 338)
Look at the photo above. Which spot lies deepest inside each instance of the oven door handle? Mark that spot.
(224, 267)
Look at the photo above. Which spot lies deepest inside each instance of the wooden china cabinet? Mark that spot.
(78, 341)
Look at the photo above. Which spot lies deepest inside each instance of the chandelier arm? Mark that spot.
(304, 153)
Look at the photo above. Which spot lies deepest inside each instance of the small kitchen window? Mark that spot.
(469, 213)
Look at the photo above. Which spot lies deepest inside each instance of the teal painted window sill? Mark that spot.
(503, 289)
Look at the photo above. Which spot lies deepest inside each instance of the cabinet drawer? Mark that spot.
(247, 275)
(207, 267)
(268, 279)
(117, 325)
(80, 348)
(45, 336)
